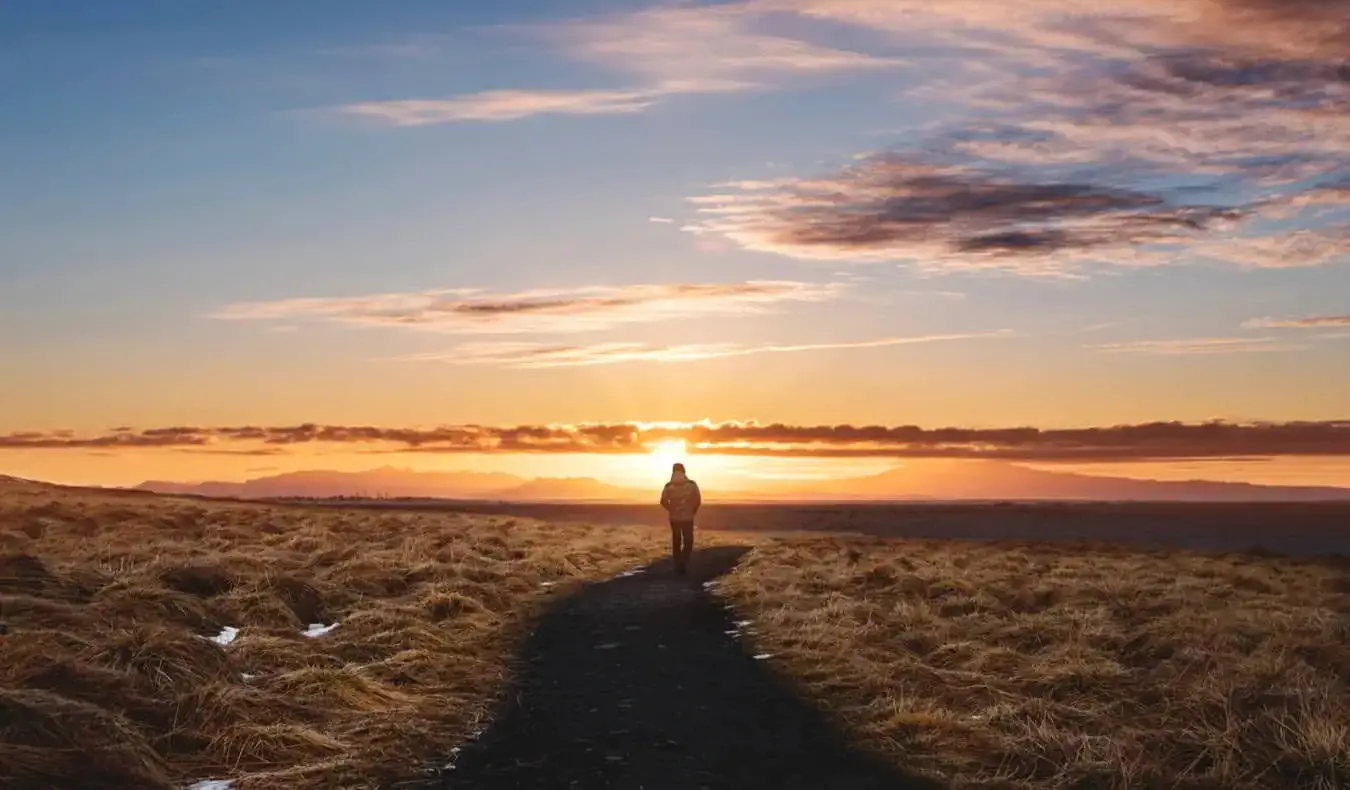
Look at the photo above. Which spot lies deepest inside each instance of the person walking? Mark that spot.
(681, 499)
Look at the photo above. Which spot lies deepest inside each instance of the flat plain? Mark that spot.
(155, 642)
(110, 677)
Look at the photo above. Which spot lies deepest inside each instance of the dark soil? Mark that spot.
(641, 683)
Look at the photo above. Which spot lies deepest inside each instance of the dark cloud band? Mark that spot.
(1150, 441)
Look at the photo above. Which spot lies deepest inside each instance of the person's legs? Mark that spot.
(675, 544)
(681, 538)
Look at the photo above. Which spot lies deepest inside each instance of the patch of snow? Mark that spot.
(227, 635)
(633, 572)
(741, 630)
(547, 584)
(212, 784)
(607, 646)
(763, 656)
(248, 677)
(318, 629)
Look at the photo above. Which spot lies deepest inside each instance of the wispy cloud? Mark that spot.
(1098, 327)
(1141, 134)
(540, 355)
(719, 42)
(1310, 28)
(502, 105)
(1201, 345)
(1309, 322)
(559, 310)
(1279, 250)
(1149, 441)
(659, 53)
(512, 105)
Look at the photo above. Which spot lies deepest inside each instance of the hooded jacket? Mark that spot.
(681, 497)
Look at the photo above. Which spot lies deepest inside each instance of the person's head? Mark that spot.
(678, 469)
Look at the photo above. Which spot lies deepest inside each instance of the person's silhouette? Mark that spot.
(681, 499)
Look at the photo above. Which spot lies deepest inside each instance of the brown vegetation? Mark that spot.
(109, 678)
(987, 665)
(1043, 666)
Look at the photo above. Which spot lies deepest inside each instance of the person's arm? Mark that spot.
(698, 497)
(665, 496)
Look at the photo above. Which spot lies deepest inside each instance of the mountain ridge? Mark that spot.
(972, 480)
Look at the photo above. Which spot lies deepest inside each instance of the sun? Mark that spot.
(667, 453)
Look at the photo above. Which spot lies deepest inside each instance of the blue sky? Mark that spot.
(976, 215)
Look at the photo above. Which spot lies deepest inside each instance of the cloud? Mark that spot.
(559, 310)
(719, 42)
(1187, 124)
(1310, 322)
(1314, 28)
(1149, 441)
(1202, 345)
(946, 216)
(1108, 324)
(1294, 249)
(513, 105)
(502, 105)
(539, 355)
(664, 52)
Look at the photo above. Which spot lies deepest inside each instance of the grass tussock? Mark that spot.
(109, 677)
(49, 740)
(1041, 666)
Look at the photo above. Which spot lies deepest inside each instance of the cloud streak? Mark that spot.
(718, 42)
(888, 207)
(1194, 346)
(664, 53)
(1309, 322)
(540, 355)
(587, 309)
(514, 105)
(1142, 442)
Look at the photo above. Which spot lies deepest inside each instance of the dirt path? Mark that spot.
(636, 683)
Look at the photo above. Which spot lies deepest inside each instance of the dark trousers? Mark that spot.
(681, 543)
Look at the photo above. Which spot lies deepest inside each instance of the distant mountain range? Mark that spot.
(383, 482)
(389, 482)
(984, 480)
(957, 480)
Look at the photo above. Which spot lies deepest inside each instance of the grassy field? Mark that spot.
(1054, 666)
(108, 677)
(987, 665)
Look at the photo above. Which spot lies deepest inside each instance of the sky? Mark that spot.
(805, 237)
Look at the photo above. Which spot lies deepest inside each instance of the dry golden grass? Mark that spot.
(1040, 666)
(108, 680)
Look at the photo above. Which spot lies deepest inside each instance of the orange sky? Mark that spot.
(131, 468)
(975, 216)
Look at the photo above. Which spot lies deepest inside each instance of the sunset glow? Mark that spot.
(665, 454)
(1003, 347)
(782, 241)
